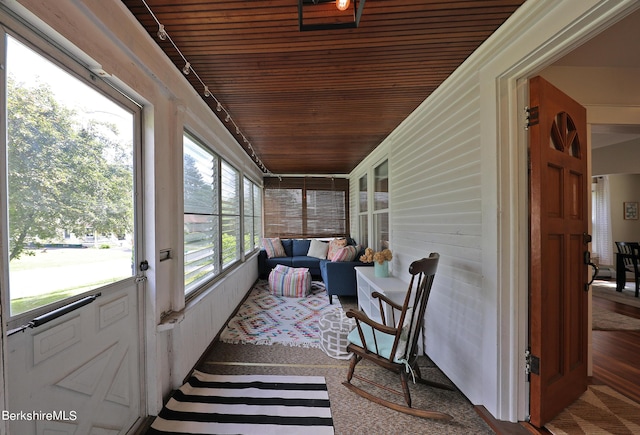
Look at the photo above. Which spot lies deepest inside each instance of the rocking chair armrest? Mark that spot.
(360, 316)
(386, 299)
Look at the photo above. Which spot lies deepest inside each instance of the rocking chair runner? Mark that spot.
(395, 347)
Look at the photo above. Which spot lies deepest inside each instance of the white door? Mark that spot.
(70, 243)
(78, 374)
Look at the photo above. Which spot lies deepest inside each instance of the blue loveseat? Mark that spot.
(296, 250)
(339, 277)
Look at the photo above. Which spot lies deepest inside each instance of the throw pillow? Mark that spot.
(334, 246)
(347, 253)
(318, 249)
(273, 247)
(404, 337)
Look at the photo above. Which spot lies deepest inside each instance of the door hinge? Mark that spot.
(532, 116)
(532, 363)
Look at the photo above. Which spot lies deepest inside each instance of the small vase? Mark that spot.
(381, 270)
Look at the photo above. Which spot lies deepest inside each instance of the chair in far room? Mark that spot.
(627, 260)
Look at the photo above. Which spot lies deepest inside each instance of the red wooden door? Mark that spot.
(558, 316)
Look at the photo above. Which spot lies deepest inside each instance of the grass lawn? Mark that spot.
(53, 274)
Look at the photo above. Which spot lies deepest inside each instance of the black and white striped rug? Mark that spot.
(232, 404)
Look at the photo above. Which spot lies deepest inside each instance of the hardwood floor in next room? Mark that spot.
(615, 358)
(616, 354)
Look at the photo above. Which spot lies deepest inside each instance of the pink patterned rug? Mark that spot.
(266, 319)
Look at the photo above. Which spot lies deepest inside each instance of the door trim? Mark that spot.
(513, 243)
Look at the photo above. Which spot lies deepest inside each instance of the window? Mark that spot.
(306, 207)
(363, 216)
(252, 217)
(381, 206)
(201, 216)
(231, 235)
(213, 238)
(601, 220)
(70, 181)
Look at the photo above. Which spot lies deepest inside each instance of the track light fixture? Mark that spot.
(164, 36)
(347, 16)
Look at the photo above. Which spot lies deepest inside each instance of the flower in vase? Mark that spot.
(379, 257)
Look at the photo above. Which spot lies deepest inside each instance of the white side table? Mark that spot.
(392, 287)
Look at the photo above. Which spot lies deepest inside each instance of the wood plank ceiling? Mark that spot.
(317, 102)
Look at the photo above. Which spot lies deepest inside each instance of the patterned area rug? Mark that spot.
(266, 319)
(254, 404)
(604, 320)
(607, 290)
(599, 411)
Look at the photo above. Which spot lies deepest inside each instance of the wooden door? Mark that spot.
(558, 237)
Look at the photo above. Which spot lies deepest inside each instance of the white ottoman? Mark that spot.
(334, 328)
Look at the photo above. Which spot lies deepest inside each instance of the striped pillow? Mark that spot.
(273, 247)
(348, 253)
(334, 246)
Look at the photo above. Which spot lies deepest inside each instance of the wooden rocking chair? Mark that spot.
(395, 347)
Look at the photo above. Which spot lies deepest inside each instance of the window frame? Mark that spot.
(380, 213)
(255, 231)
(214, 214)
(301, 185)
(234, 212)
(363, 212)
(373, 214)
(220, 267)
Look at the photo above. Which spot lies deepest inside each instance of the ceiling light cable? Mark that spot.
(163, 35)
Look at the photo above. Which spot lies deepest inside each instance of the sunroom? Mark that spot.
(436, 128)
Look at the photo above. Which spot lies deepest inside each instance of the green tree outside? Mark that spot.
(63, 175)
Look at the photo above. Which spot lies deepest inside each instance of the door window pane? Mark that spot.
(70, 183)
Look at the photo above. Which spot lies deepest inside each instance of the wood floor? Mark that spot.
(616, 354)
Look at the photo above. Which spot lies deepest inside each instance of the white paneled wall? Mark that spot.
(435, 196)
(205, 317)
(446, 163)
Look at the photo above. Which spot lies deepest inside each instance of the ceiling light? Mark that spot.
(342, 5)
(320, 17)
